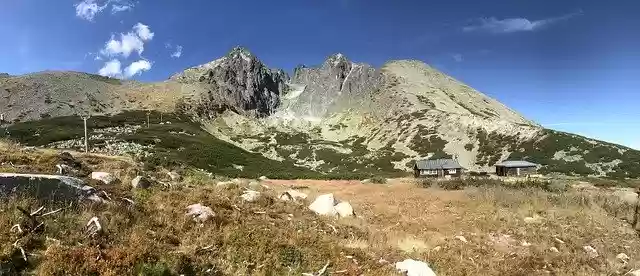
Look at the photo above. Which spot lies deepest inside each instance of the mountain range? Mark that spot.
(336, 117)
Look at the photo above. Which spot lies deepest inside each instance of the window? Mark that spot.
(428, 172)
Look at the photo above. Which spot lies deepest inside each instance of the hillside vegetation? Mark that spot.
(176, 142)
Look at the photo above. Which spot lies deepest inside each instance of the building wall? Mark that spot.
(438, 173)
(503, 171)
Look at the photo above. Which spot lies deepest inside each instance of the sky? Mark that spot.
(571, 65)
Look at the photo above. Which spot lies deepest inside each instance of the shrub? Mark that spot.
(456, 184)
(379, 180)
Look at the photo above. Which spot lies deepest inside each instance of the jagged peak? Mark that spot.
(240, 51)
(336, 59)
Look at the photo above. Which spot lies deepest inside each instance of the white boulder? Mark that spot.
(554, 249)
(105, 177)
(224, 183)
(174, 176)
(140, 182)
(199, 213)
(293, 195)
(324, 205)
(534, 219)
(250, 196)
(591, 252)
(414, 268)
(263, 178)
(623, 258)
(344, 209)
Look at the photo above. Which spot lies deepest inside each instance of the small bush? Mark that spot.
(379, 180)
(456, 184)
(156, 269)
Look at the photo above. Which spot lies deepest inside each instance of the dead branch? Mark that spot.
(51, 213)
(93, 226)
(128, 200)
(106, 195)
(34, 213)
(16, 226)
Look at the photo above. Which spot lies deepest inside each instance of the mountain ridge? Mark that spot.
(339, 113)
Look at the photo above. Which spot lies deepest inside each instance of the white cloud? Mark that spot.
(143, 31)
(88, 9)
(178, 52)
(457, 57)
(512, 25)
(136, 68)
(111, 68)
(128, 43)
(120, 8)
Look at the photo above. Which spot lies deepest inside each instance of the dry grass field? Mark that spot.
(486, 230)
(507, 231)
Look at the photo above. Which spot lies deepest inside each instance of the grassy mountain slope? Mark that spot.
(178, 144)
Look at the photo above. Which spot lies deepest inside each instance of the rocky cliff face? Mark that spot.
(238, 82)
(336, 85)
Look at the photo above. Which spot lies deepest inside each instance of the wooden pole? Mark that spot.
(636, 214)
(148, 119)
(86, 137)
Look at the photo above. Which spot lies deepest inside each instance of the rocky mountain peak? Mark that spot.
(241, 52)
(239, 82)
(337, 60)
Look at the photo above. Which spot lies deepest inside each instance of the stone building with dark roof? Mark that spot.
(437, 168)
(516, 168)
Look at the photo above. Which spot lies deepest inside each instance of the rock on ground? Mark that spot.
(199, 212)
(591, 252)
(250, 196)
(140, 182)
(623, 258)
(344, 209)
(263, 178)
(324, 205)
(414, 268)
(45, 187)
(174, 176)
(534, 219)
(105, 177)
(293, 195)
(633, 273)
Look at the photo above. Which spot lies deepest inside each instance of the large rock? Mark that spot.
(46, 187)
(174, 176)
(141, 182)
(414, 268)
(293, 195)
(324, 205)
(344, 209)
(105, 177)
(199, 212)
(250, 196)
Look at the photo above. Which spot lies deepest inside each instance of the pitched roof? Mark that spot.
(438, 164)
(516, 164)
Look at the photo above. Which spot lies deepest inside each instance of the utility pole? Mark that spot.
(161, 117)
(148, 113)
(86, 137)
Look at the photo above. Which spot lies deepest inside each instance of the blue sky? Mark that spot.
(569, 65)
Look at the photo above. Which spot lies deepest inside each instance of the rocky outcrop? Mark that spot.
(238, 82)
(54, 188)
(334, 86)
